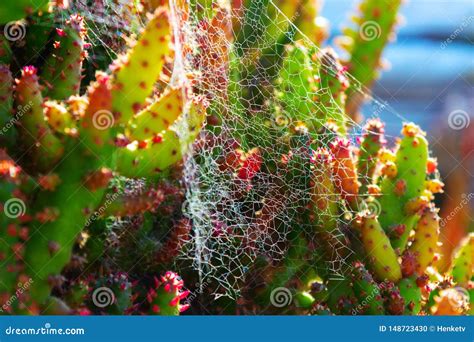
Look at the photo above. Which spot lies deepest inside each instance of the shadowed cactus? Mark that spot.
(75, 145)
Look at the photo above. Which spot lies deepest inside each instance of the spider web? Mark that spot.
(248, 177)
(254, 206)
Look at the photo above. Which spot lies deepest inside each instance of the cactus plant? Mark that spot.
(74, 141)
(165, 297)
(375, 24)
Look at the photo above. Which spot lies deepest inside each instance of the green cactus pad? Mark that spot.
(425, 242)
(367, 291)
(334, 82)
(298, 80)
(411, 294)
(157, 117)
(71, 204)
(165, 298)
(341, 296)
(43, 147)
(163, 150)
(61, 72)
(375, 26)
(38, 31)
(383, 258)
(372, 141)
(409, 182)
(135, 75)
(18, 9)
(462, 268)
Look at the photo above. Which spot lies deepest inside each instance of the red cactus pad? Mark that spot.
(344, 171)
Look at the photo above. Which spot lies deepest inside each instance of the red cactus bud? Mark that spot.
(409, 264)
(411, 130)
(28, 71)
(422, 280)
(431, 165)
(400, 187)
(60, 32)
(399, 229)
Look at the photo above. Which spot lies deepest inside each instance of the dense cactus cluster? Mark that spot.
(68, 147)
(90, 174)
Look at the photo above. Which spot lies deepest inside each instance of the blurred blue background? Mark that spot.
(428, 76)
(431, 75)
